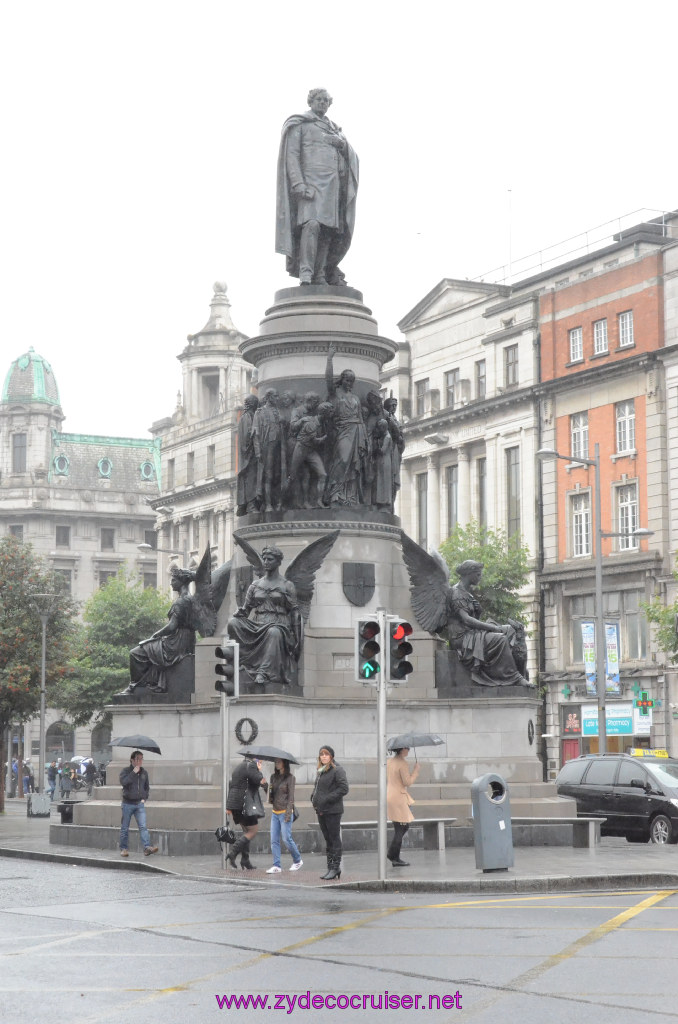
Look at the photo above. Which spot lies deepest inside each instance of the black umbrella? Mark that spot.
(139, 742)
(270, 754)
(411, 740)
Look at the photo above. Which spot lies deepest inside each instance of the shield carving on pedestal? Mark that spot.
(358, 581)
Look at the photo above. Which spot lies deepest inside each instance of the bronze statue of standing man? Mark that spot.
(316, 194)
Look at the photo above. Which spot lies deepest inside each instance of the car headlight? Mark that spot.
(674, 802)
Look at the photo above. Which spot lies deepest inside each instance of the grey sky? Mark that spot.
(140, 143)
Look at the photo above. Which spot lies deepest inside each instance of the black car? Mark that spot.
(637, 797)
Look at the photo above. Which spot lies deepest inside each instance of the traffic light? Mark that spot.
(398, 650)
(367, 650)
(227, 668)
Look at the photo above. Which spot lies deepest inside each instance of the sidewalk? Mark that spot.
(614, 864)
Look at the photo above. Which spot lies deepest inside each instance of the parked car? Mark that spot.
(638, 797)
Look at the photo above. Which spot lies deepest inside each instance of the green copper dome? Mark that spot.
(30, 379)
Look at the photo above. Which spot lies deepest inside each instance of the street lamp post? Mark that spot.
(145, 548)
(599, 618)
(45, 605)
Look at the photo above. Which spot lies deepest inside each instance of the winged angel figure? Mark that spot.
(270, 624)
(150, 660)
(495, 654)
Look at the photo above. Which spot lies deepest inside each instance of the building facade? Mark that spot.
(81, 501)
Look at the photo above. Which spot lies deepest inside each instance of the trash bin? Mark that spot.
(66, 811)
(492, 835)
(37, 805)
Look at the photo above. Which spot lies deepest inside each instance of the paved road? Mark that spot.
(92, 945)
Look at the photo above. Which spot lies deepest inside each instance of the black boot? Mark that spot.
(245, 863)
(335, 869)
(329, 866)
(393, 854)
(237, 848)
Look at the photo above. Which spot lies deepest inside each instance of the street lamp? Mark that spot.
(601, 680)
(45, 605)
(165, 551)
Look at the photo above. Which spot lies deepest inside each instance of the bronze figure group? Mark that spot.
(304, 454)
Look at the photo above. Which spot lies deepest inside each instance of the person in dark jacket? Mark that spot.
(331, 785)
(135, 793)
(52, 776)
(281, 798)
(245, 780)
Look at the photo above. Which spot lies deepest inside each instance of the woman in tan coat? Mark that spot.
(398, 800)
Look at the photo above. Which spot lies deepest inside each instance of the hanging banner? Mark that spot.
(612, 645)
(588, 643)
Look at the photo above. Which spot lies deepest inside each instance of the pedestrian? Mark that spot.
(135, 793)
(65, 782)
(281, 798)
(90, 772)
(244, 805)
(331, 786)
(398, 801)
(51, 778)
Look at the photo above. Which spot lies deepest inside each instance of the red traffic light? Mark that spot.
(401, 630)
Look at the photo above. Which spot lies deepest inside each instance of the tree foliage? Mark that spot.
(664, 618)
(116, 618)
(506, 564)
(22, 575)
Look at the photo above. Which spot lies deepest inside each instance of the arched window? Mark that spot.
(59, 742)
(101, 744)
(61, 465)
(105, 467)
(147, 471)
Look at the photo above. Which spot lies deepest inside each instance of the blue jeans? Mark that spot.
(130, 811)
(278, 825)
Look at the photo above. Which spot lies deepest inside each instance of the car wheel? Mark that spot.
(637, 839)
(661, 829)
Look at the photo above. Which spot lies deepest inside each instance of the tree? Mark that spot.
(505, 567)
(664, 618)
(116, 617)
(23, 574)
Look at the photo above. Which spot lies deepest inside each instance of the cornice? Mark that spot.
(375, 348)
(475, 409)
(592, 374)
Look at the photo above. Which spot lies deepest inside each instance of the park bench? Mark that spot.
(433, 829)
(585, 831)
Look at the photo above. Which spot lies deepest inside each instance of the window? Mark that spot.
(481, 378)
(422, 509)
(17, 532)
(581, 607)
(601, 772)
(511, 365)
(451, 381)
(512, 491)
(581, 524)
(626, 338)
(18, 453)
(105, 468)
(211, 459)
(190, 467)
(63, 536)
(627, 516)
(633, 625)
(481, 470)
(150, 580)
(420, 389)
(107, 539)
(151, 538)
(452, 488)
(65, 580)
(196, 533)
(625, 415)
(61, 465)
(576, 345)
(579, 434)
(147, 471)
(170, 474)
(105, 575)
(599, 337)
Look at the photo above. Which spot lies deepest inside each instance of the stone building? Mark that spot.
(196, 504)
(580, 352)
(81, 501)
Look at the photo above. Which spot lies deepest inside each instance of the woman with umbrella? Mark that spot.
(244, 805)
(281, 798)
(398, 800)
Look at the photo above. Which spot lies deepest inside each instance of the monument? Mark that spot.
(319, 546)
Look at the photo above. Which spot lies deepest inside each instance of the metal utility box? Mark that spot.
(492, 836)
(37, 805)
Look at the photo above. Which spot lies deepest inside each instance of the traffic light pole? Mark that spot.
(225, 763)
(381, 750)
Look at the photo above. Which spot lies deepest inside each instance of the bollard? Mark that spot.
(492, 835)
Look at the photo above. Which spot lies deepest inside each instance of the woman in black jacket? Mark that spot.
(331, 785)
(245, 780)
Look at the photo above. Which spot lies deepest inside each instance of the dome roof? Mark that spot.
(30, 379)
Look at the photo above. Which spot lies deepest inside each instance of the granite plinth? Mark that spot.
(180, 687)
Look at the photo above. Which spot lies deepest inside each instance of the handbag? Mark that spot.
(252, 806)
(225, 834)
(295, 813)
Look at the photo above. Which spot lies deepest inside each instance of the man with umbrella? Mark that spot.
(135, 792)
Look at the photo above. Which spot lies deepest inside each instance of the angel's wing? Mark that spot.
(429, 584)
(302, 569)
(204, 617)
(220, 580)
(253, 557)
